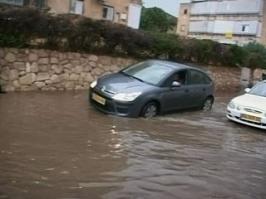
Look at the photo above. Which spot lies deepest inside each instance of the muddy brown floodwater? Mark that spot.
(54, 145)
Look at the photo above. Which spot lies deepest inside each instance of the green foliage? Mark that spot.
(14, 40)
(30, 28)
(155, 19)
(165, 45)
(255, 55)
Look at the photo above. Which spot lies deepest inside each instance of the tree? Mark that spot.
(156, 20)
(255, 58)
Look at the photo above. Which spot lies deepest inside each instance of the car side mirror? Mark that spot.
(247, 90)
(176, 84)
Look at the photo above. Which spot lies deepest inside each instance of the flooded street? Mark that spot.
(54, 145)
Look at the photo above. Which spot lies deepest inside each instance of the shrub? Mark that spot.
(255, 55)
(31, 28)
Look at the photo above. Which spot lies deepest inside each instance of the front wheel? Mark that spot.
(207, 105)
(149, 110)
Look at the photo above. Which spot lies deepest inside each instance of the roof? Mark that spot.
(171, 64)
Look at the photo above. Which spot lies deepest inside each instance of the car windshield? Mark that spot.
(259, 89)
(148, 72)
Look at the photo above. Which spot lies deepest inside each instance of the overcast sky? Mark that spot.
(170, 6)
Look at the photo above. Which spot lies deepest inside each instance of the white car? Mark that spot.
(250, 108)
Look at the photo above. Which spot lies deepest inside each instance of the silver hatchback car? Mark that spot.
(152, 87)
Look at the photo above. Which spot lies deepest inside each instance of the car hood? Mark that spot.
(118, 82)
(252, 101)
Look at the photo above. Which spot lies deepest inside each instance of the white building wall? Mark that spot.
(224, 27)
(134, 14)
(227, 7)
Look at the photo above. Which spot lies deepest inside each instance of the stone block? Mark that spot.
(93, 58)
(5, 73)
(33, 57)
(42, 76)
(34, 67)
(19, 65)
(93, 64)
(97, 71)
(9, 88)
(16, 84)
(74, 77)
(69, 85)
(78, 69)
(257, 75)
(43, 68)
(68, 66)
(13, 74)
(10, 57)
(43, 61)
(57, 68)
(88, 78)
(54, 60)
(40, 84)
(27, 79)
(87, 68)
(55, 79)
(42, 53)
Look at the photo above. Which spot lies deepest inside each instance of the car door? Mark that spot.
(198, 84)
(175, 97)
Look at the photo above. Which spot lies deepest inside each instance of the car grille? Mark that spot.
(249, 110)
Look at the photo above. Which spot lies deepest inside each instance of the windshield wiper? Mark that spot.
(131, 76)
(137, 78)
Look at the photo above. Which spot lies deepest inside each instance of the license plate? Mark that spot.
(98, 99)
(251, 118)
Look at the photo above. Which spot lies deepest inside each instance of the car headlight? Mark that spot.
(93, 84)
(126, 97)
(232, 105)
(238, 108)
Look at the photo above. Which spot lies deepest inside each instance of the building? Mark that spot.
(226, 21)
(125, 12)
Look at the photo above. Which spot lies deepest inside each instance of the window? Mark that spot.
(76, 7)
(180, 77)
(197, 77)
(183, 28)
(108, 13)
(13, 2)
(36, 3)
(245, 28)
(185, 12)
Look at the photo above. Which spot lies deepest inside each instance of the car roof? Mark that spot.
(173, 65)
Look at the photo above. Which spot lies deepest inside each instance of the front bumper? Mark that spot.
(124, 109)
(237, 116)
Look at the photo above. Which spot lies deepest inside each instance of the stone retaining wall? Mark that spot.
(27, 69)
(30, 69)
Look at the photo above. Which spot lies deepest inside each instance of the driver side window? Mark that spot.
(180, 77)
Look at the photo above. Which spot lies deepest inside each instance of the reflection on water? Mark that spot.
(53, 145)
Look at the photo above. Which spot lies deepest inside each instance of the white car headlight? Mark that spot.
(93, 84)
(238, 108)
(126, 97)
(232, 105)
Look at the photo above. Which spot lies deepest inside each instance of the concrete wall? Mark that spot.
(59, 6)
(263, 32)
(183, 19)
(94, 8)
(223, 21)
(29, 69)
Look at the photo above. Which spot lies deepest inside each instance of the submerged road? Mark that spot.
(55, 145)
